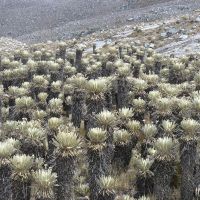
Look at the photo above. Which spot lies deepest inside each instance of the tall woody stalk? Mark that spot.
(67, 146)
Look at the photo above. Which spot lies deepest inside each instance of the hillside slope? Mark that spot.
(33, 21)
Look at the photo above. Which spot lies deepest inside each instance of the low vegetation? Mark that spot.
(118, 123)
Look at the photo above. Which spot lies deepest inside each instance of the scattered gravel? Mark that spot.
(100, 22)
(188, 46)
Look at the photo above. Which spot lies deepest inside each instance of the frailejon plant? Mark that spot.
(144, 177)
(54, 124)
(163, 169)
(62, 50)
(139, 107)
(68, 146)
(95, 102)
(123, 148)
(78, 59)
(33, 138)
(7, 149)
(21, 166)
(107, 191)
(188, 153)
(134, 128)
(24, 54)
(107, 120)
(123, 70)
(149, 131)
(44, 182)
(82, 191)
(130, 97)
(78, 99)
(96, 160)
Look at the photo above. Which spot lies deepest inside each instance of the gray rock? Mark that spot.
(197, 19)
(169, 32)
(183, 37)
(130, 19)
(152, 45)
(164, 34)
(172, 31)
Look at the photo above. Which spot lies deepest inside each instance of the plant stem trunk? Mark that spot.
(122, 93)
(78, 103)
(97, 169)
(21, 190)
(106, 196)
(188, 150)
(144, 185)
(163, 173)
(65, 169)
(5, 182)
(94, 106)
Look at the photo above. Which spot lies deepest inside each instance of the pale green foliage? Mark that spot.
(32, 65)
(15, 91)
(185, 106)
(7, 149)
(106, 118)
(39, 115)
(78, 81)
(118, 63)
(144, 198)
(168, 126)
(67, 143)
(149, 131)
(139, 85)
(82, 190)
(1, 91)
(97, 135)
(21, 166)
(40, 81)
(42, 96)
(24, 103)
(52, 66)
(134, 127)
(56, 86)
(54, 123)
(139, 105)
(121, 136)
(149, 61)
(35, 134)
(190, 128)
(69, 69)
(165, 148)
(125, 113)
(98, 86)
(163, 106)
(44, 181)
(142, 165)
(107, 183)
(124, 70)
(169, 90)
(151, 79)
(32, 131)
(10, 126)
(56, 105)
(5, 113)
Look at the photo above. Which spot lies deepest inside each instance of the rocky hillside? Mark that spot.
(41, 20)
